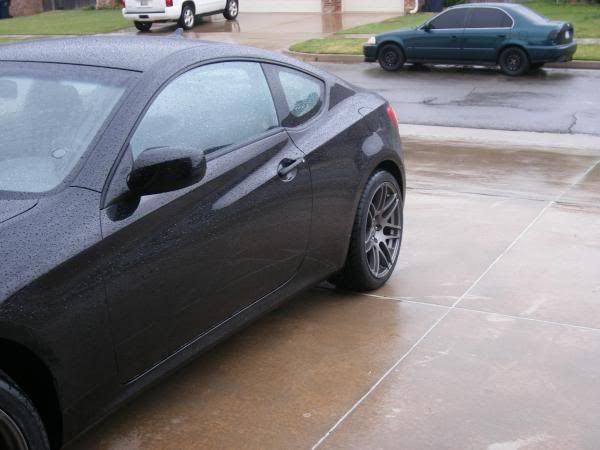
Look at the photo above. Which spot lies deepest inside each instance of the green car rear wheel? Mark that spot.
(514, 61)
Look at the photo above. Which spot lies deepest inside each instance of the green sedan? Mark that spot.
(505, 34)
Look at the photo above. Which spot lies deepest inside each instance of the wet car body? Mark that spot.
(102, 293)
(475, 38)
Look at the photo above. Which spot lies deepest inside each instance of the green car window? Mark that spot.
(489, 18)
(454, 18)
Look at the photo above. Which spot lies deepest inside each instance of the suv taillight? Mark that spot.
(169, 3)
(122, 3)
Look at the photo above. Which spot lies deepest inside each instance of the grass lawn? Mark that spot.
(585, 18)
(589, 52)
(76, 21)
(408, 21)
(334, 46)
(353, 46)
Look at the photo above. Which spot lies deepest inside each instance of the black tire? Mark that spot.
(187, 20)
(144, 27)
(20, 424)
(391, 57)
(536, 66)
(231, 10)
(357, 273)
(514, 61)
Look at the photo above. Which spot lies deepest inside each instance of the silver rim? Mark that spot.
(383, 230)
(233, 8)
(188, 17)
(11, 437)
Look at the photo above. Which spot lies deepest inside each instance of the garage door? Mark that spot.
(280, 6)
(373, 5)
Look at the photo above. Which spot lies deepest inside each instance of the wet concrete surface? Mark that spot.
(486, 336)
(547, 100)
(272, 31)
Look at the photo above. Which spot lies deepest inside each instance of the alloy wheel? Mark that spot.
(233, 8)
(188, 18)
(383, 230)
(11, 437)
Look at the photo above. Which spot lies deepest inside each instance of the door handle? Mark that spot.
(501, 35)
(287, 166)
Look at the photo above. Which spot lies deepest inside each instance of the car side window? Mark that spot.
(488, 18)
(209, 108)
(455, 18)
(303, 96)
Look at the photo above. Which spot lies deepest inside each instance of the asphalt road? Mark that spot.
(549, 100)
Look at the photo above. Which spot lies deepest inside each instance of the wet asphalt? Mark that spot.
(486, 336)
(546, 100)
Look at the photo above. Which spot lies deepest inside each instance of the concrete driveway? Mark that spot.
(273, 31)
(487, 335)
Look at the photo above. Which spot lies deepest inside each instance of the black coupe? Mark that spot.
(158, 193)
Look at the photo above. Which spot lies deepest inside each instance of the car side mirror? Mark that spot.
(165, 169)
(8, 89)
(426, 27)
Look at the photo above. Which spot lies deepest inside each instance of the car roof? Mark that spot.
(138, 53)
(507, 6)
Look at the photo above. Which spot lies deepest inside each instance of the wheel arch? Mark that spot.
(189, 2)
(36, 380)
(508, 45)
(392, 167)
(397, 43)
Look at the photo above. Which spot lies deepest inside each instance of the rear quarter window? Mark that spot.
(302, 95)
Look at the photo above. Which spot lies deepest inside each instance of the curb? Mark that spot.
(353, 59)
(325, 57)
(572, 144)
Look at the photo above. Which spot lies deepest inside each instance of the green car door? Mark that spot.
(485, 31)
(440, 39)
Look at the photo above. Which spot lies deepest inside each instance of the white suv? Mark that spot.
(145, 12)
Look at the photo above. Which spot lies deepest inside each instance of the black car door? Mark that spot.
(185, 261)
(441, 40)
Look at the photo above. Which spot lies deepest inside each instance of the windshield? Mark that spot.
(48, 118)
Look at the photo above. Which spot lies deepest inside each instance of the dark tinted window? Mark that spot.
(455, 18)
(303, 95)
(209, 108)
(488, 18)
